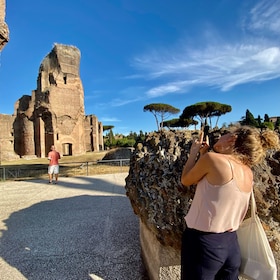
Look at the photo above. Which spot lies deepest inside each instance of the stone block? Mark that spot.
(162, 262)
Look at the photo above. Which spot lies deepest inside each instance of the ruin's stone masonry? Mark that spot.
(4, 30)
(53, 114)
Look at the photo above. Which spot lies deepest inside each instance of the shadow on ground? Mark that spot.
(81, 237)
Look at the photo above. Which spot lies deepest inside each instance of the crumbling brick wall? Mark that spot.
(7, 138)
(4, 30)
(54, 113)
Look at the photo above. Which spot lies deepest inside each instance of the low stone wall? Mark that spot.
(154, 189)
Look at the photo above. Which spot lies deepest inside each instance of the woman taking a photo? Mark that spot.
(224, 182)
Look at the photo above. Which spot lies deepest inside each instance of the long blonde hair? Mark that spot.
(252, 144)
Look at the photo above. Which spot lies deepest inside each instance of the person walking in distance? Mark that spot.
(53, 168)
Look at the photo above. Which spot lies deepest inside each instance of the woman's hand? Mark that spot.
(200, 146)
(190, 177)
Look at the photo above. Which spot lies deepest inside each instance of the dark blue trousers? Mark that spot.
(209, 256)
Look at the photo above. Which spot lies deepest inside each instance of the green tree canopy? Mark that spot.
(268, 125)
(266, 118)
(249, 119)
(260, 123)
(179, 123)
(161, 111)
(107, 127)
(204, 111)
(109, 139)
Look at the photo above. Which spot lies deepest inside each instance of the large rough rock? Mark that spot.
(154, 189)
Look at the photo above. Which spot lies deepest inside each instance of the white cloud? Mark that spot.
(222, 66)
(219, 63)
(122, 101)
(269, 57)
(109, 119)
(127, 96)
(265, 17)
(168, 88)
(132, 77)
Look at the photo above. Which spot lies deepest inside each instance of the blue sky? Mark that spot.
(137, 52)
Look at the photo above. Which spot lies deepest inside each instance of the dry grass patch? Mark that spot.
(92, 156)
(82, 165)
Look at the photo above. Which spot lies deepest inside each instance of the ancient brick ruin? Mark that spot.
(53, 114)
(4, 30)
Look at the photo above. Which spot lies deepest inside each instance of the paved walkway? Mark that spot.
(83, 228)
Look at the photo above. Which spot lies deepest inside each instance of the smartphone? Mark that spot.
(205, 132)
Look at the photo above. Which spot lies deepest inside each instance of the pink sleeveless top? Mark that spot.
(217, 208)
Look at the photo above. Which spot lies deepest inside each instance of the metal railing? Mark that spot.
(68, 169)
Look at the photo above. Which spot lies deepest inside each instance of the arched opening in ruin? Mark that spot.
(67, 149)
(52, 80)
(91, 141)
(48, 142)
(49, 133)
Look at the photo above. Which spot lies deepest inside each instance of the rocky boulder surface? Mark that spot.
(159, 200)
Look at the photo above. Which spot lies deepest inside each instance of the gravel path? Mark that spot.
(82, 228)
